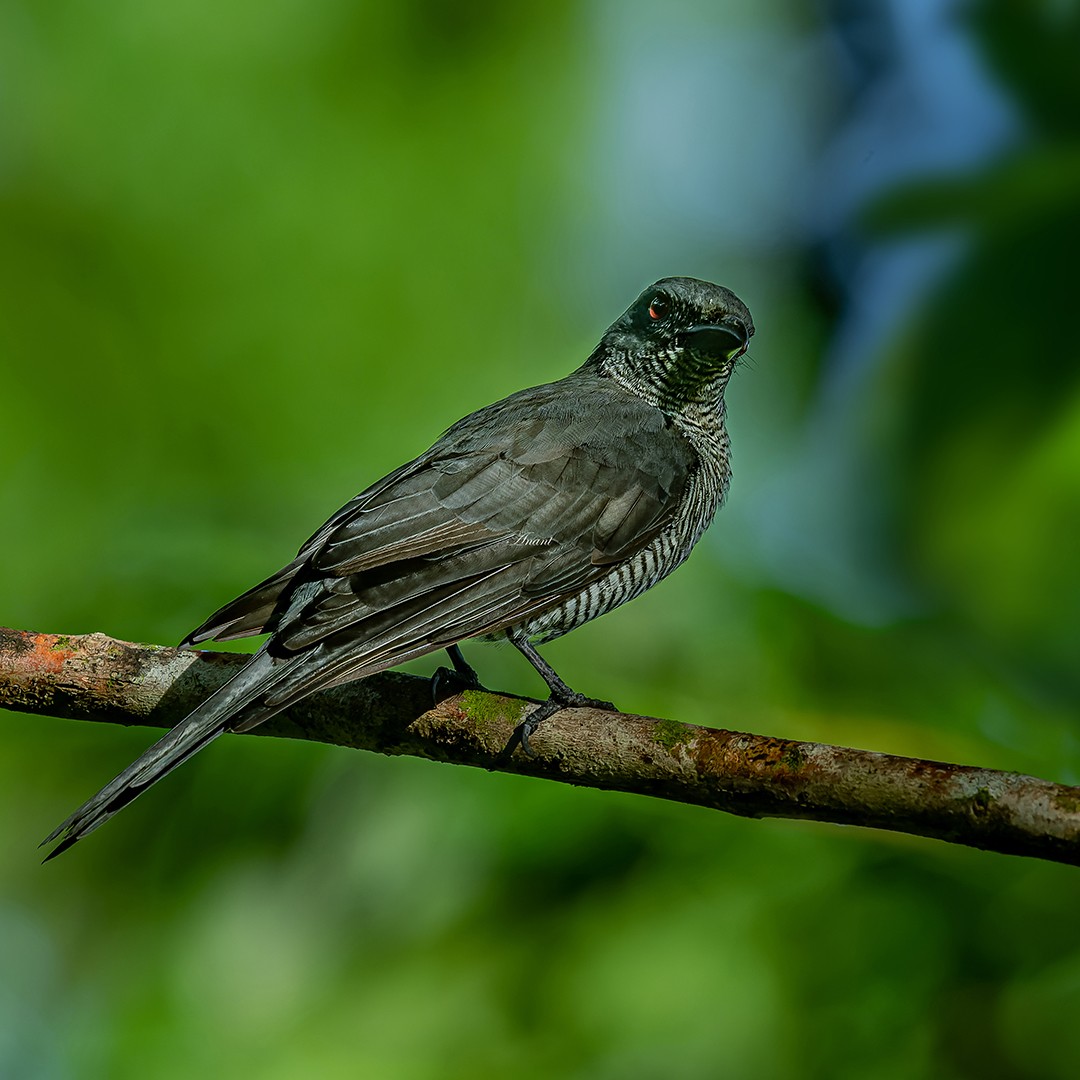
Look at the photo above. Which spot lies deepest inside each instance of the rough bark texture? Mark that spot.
(94, 677)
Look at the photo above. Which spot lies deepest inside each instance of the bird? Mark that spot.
(525, 520)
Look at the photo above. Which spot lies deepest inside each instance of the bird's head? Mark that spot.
(678, 342)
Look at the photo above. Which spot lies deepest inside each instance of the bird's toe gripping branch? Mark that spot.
(445, 683)
(562, 697)
(528, 726)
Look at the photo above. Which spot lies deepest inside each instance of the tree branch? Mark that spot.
(94, 677)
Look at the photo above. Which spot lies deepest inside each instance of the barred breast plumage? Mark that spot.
(706, 488)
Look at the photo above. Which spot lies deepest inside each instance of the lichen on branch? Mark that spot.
(95, 677)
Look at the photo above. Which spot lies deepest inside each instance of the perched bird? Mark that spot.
(525, 520)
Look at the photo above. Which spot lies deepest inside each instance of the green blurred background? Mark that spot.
(256, 255)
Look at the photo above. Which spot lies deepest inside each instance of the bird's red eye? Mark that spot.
(658, 308)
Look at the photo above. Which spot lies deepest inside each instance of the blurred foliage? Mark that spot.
(992, 421)
(253, 257)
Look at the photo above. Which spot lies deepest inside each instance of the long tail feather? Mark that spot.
(240, 698)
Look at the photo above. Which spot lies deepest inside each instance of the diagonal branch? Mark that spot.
(94, 677)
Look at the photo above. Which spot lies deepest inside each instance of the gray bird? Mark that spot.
(525, 520)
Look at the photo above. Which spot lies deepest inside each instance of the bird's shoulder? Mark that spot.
(580, 462)
(584, 414)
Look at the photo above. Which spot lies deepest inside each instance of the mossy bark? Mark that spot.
(94, 677)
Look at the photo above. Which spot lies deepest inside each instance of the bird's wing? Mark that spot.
(527, 500)
(249, 613)
(504, 518)
(515, 509)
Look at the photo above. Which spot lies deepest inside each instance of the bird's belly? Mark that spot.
(629, 579)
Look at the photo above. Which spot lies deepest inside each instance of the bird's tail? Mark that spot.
(240, 702)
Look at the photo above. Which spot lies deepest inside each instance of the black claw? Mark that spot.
(446, 682)
(525, 731)
(528, 727)
(519, 737)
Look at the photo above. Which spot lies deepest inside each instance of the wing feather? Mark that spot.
(516, 508)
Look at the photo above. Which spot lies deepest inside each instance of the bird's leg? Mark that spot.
(445, 682)
(462, 666)
(562, 697)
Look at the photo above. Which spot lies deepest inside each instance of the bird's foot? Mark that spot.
(446, 682)
(574, 700)
(528, 726)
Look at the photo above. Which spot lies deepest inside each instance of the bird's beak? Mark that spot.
(712, 339)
